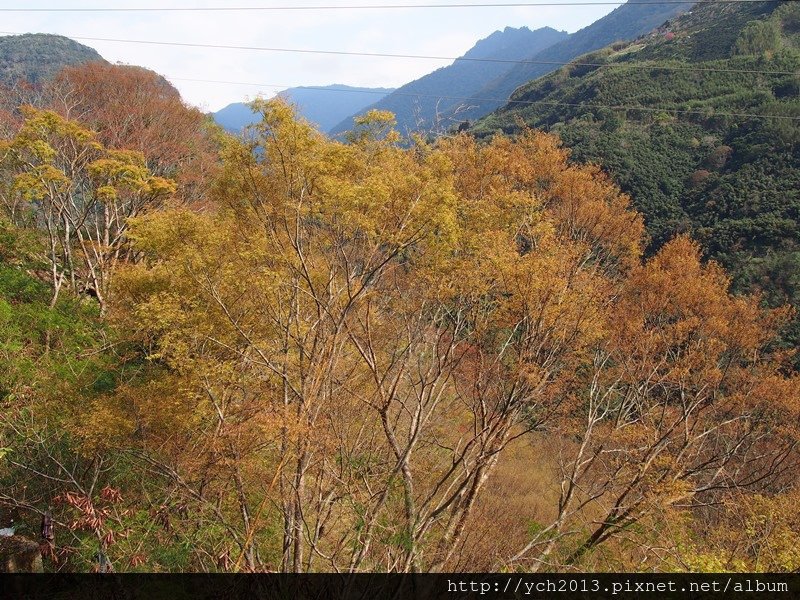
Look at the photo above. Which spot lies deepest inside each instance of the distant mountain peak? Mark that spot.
(325, 106)
(512, 41)
(469, 89)
(626, 22)
(418, 103)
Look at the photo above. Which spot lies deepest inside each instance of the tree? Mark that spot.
(398, 316)
(684, 405)
(62, 181)
(131, 108)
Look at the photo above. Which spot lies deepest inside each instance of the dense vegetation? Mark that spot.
(730, 180)
(285, 352)
(306, 355)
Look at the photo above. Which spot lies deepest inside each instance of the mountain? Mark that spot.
(417, 104)
(34, 57)
(235, 117)
(720, 170)
(623, 23)
(325, 106)
(497, 81)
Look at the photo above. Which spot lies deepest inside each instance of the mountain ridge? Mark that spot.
(415, 104)
(324, 106)
(625, 22)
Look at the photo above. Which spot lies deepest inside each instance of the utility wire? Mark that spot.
(427, 57)
(380, 7)
(506, 100)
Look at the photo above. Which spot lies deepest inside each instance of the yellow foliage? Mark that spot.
(380, 321)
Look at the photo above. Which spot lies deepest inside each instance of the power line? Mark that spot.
(379, 7)
(426, 57)
(505, 100)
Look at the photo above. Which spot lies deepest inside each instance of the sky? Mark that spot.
(447, 32)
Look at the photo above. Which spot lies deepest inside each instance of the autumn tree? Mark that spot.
(403, 315)
(60, 180)
(512, 307)
(683, 404)
(132, 108)
(753, 533)
(8, 121)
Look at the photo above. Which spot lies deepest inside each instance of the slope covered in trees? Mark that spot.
(350, 357)
(35, 57)
(718, 170)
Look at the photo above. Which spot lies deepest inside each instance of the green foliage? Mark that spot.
(57, 382)
(758, 37)
(40, 345)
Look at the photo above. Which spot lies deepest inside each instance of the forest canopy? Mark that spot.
(319, 356)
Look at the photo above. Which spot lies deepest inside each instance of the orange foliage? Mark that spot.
(136, 109)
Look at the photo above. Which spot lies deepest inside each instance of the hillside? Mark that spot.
(416, 105)
(732, 181)
(323, 106)
(35, 57)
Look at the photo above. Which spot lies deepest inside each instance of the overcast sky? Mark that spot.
(429, 31)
